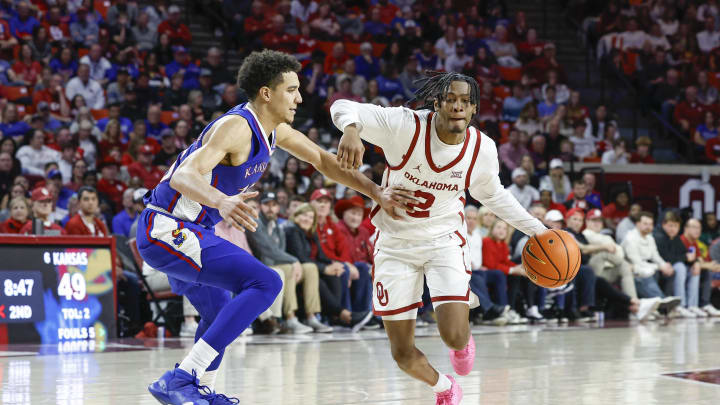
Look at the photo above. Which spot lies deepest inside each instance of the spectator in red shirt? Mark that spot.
(86, 221)
(642, 152)
(7, 41)
(19, 212)
(539, 67)
(387, 11)
(55, 97)
(255, 24)
(58, 31)
(712, 149)
(109, 184)
(689, 112)
(26, 69)
(178, 32)
(277, 38)
(324, 24)
(143, 168)
(351, 212)
(617, 210)
(547, 201)
(42, 208)
(335, 61)
(531, 48)
(496, 256)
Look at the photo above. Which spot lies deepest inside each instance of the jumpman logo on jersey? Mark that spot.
(418, 168)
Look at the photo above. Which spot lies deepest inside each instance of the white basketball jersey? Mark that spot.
(439, 183)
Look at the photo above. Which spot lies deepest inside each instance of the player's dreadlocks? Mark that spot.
(436, 85)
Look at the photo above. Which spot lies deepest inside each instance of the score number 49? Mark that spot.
(72, 286)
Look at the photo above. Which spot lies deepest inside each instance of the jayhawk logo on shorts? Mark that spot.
(178, 237)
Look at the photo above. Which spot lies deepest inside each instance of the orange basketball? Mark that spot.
(551, 258)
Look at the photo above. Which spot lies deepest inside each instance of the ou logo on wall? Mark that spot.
(706, 204)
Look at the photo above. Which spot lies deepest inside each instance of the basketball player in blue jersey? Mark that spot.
(207, 184)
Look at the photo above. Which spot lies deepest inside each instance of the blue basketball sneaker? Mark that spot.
(177, 387)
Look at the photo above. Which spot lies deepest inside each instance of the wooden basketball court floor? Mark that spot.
(671, 362)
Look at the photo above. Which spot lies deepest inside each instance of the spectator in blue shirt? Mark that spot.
(114, 113)
(375, 26)
(366, 64)
(548, 106)
(23, 24)
(122, 222)
(11, 126)
(182, 62)
(389, 84)
(64, 63)
(49, 123)
(85, 30)
(154, 126)
(427, 59)
(513, 105)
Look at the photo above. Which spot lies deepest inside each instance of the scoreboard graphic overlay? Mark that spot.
(57, 289)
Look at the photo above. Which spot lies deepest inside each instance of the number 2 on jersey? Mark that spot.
(421, 210)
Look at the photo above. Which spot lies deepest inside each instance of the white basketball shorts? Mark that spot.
(400, 265)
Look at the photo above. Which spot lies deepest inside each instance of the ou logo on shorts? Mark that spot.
(382, 294)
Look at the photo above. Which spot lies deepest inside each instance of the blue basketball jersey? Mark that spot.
(230, 180)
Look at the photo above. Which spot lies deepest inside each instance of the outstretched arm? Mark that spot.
(303, 148)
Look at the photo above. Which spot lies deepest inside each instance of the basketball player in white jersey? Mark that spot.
(433, 157)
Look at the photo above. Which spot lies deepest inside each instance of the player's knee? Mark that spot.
(403, 356)
(272, 284)
(456, 339)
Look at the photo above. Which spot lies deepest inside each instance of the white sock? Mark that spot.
(199, 358)
(443, 384)
(209, 379)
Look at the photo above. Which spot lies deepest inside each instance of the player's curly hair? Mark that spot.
(264, 69)
(436, 84)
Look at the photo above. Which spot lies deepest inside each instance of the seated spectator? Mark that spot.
(513, 105)
(633, 38)
(521, 190)
(86, 87)
(124, 124)
(268, 242)
(27, 70)
(388, 83)
(489, 106)
(549, 105)
(11, 125)
(705, 131)
(145, 35)
(618, 155)
(427, 58)
(709, 38)
(502, 272)
(303, 243)
(562, 92)
(689, 112)
(99, 65)
(324, 24)
(531, 48)
(124, 219)
(87, 221)
(374, 26)
(642, 252)
(64, 63)
(579, 197)
(539, 67)
(657, 39)
(642, 151)
(221, 74)
(583, 143)
(19, 216)
(154, 127)
(23, 23)
(85, 30)
(703, 263)
(487, 219)
(178, 33)
(608, 261)
(707, 94)
(512, 151)
(366, 64)
(183, 63)
(19, 188)
(351, 212)
(144, 169)
(710, 228)
(111, 140)
(42, 210)
(685, 283)
(618, 303)
(109, 185)
(556, 181)
(445, 45)
(54, 96)
(457, 61)
(35, 155)
(667, 93)
(504, 51)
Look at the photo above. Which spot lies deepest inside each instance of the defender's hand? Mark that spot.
(239, 214)
(351, 149)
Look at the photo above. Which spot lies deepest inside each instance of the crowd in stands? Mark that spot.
(96, 103)
(668, 51)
